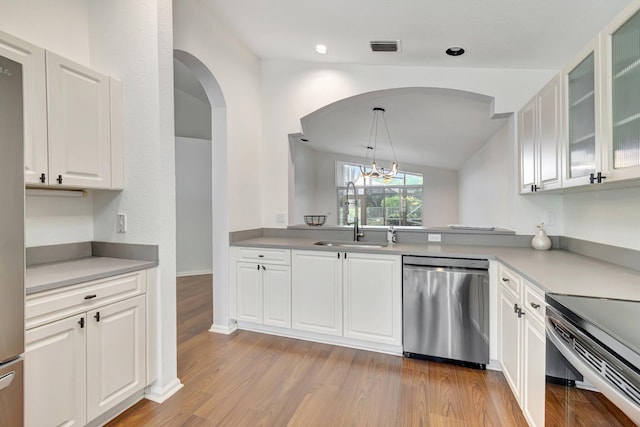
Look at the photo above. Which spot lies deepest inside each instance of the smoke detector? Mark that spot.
(385, 46)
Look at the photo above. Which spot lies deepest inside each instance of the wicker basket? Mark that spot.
(315, 220)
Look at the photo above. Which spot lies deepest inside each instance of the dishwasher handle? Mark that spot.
(423, 261)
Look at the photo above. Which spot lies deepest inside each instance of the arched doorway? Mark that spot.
(218, 230)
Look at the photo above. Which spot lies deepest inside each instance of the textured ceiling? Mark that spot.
(542, 34)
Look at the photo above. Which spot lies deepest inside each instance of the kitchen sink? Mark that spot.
(350, 244)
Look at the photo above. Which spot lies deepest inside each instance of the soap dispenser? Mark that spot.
(391, 235)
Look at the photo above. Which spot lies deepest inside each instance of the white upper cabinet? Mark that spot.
(79, 125)
(583, 124)
(621, 88)
(539, 138)
(72, 120)
(35, 104)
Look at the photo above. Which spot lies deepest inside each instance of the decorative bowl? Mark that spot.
(315, 220)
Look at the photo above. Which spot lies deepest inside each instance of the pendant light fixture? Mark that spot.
(374, 171)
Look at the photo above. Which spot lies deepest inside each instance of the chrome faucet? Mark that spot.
(356, 230)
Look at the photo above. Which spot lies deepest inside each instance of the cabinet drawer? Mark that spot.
(47, 306)
(534, 302)
(270, 256)
(510, 281)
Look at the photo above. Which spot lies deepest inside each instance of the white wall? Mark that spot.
(605, 216)
(237, 71)
(315, 191)
(292, 90)
(56, 220)
(193, 117)
(489, 190)
(133, 41)
(193, 206)
(61, 26)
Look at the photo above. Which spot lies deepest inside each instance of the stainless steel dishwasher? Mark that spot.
(445, 309)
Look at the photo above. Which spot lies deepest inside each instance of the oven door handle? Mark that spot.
(612, 393)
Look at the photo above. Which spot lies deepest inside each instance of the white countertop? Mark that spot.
(43, 277)
(555, 271)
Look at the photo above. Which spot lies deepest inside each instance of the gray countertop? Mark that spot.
(44, 277)
(555, 271)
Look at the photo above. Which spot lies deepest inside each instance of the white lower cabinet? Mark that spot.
(523, 343)
(55, 373)
(354, 295)
(115, 354)
(79, 367)
(316, 294)
(262, 286)
(372, 297)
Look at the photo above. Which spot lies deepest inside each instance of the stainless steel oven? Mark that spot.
(598, 381)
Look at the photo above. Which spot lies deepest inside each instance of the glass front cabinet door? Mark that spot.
(582, 158)
(621, 44)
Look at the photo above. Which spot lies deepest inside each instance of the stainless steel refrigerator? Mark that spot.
(11, 243)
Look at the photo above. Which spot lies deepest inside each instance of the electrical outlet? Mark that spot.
(121, 222)
(434, 237)
(549, 219)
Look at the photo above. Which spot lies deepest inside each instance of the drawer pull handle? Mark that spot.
(90, 296)
(81, 322)
(534, 305)
(260, 256)
(97, 316)
(505, 279)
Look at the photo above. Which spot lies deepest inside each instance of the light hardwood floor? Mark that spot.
(251, 379)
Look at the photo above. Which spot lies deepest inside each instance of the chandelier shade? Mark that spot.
(369, 168)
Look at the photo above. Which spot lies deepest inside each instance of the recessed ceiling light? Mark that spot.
(454, 51)
(321, 49)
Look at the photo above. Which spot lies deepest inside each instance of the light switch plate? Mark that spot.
(121, 223)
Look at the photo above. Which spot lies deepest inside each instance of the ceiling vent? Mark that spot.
(385, 46)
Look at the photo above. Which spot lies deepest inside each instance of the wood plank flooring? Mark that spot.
(251, 379)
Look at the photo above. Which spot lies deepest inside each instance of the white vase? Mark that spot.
(541, 241)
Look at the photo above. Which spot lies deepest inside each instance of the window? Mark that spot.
(395, 201)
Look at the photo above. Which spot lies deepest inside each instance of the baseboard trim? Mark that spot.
(194, 273)
(160, 394)
(222, 329)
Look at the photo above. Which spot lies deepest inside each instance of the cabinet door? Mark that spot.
(276, 292)
(534, 354)
(317, 292)
(35, 104)
(582, 150)
(115, 354)
(526, 140)
(549, 135)
(621, 155)
(372, 298)
(55, 373)
(249, 292)
(510, 342)
(79, 125)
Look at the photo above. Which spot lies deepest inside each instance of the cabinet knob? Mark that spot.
(264, 268)
(43, 178)
(520, 312)
(81, 322)
(97, 316)
(505, 279)
(92, 296)
(534, 305)
(59, 179)
(515, 308)
(600, 177)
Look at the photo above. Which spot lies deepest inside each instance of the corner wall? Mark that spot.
(291, 90)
